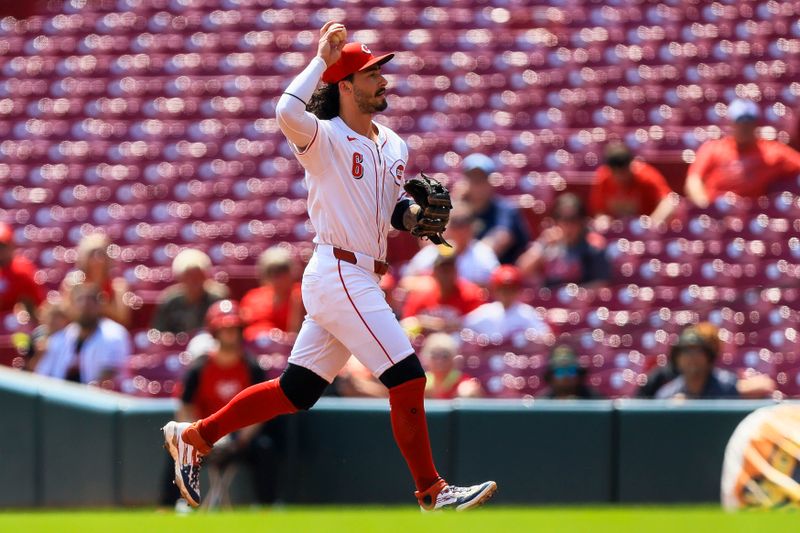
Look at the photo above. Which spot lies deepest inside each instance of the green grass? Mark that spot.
(408, 520)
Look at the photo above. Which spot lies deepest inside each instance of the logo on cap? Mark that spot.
(365, 49)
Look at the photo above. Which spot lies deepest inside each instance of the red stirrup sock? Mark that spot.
(410, 430)
(257, 403)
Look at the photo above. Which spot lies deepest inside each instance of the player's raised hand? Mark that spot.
(333, 37)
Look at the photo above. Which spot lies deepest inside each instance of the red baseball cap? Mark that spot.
(355, 58)
(506, 276)
(223, 314)
(6, 234)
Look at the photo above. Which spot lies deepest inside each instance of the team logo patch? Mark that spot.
(397, 170)
(365, 49)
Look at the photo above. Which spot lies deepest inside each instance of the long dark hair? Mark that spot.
(324, 102)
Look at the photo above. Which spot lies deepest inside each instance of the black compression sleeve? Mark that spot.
(397, 215)
(191, 382)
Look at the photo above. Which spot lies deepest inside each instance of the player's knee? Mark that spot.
(402, 372)
(302, 386)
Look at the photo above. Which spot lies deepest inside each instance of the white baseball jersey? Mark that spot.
(493, 318)
(353, 185)
(353, 182)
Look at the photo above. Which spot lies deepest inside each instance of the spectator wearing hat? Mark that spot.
(626, 187)
(440, 301)
(567, 252)
(445, 380)
(92, 349)
(182, 307)
(507, 314)
(17, 285)
(693, 358)
(475, 260)
(499, 224)
(95, 266)
(209, 384)
(277, 303)
(741, 162)
(565, 377)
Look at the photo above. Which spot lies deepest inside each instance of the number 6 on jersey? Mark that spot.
(358, 168)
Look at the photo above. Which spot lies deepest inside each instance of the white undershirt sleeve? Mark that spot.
(297, 124)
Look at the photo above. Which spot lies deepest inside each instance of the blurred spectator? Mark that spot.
(475, 260)
(94, 266)
(750, 385)
(445, 380)
(693, 360)
(182, 307)
(794, 141)
(499, 224)
(741, 162)
(277, 303)
(506, 315)
(209, 384)
(16, 277)
(91, 349)
(625, 187)
(388, 285)
(565, 377)
(439, 302)
(52, 317)
(660, 376)
(355, 380)
(567, 252)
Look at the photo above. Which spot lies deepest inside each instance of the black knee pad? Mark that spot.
(406, 370)
(302, 386)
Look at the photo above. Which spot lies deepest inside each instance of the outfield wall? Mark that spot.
(66, 445)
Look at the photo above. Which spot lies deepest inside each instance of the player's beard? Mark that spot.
(370, 104)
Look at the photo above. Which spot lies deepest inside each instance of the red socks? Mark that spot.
(265, 401)
(410, 430)
(257, 403)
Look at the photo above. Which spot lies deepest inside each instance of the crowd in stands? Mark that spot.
(445, 297)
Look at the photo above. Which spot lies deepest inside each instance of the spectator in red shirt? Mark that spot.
(740, 163)
(445, 380)
(17, 283)
(95, 266)
(438, 302)
(209, 384)
(626, 187)
(277, 303)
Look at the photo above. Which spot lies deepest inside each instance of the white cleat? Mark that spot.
(444, 496)
(187, 461)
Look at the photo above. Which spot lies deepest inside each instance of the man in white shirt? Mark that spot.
(475, 260)
(506, 315)
(92, 349)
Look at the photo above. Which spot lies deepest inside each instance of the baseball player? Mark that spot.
(354, 174)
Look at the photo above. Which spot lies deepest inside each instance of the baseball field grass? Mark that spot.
(407, 520)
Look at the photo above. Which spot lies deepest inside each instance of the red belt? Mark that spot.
(381, 268)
